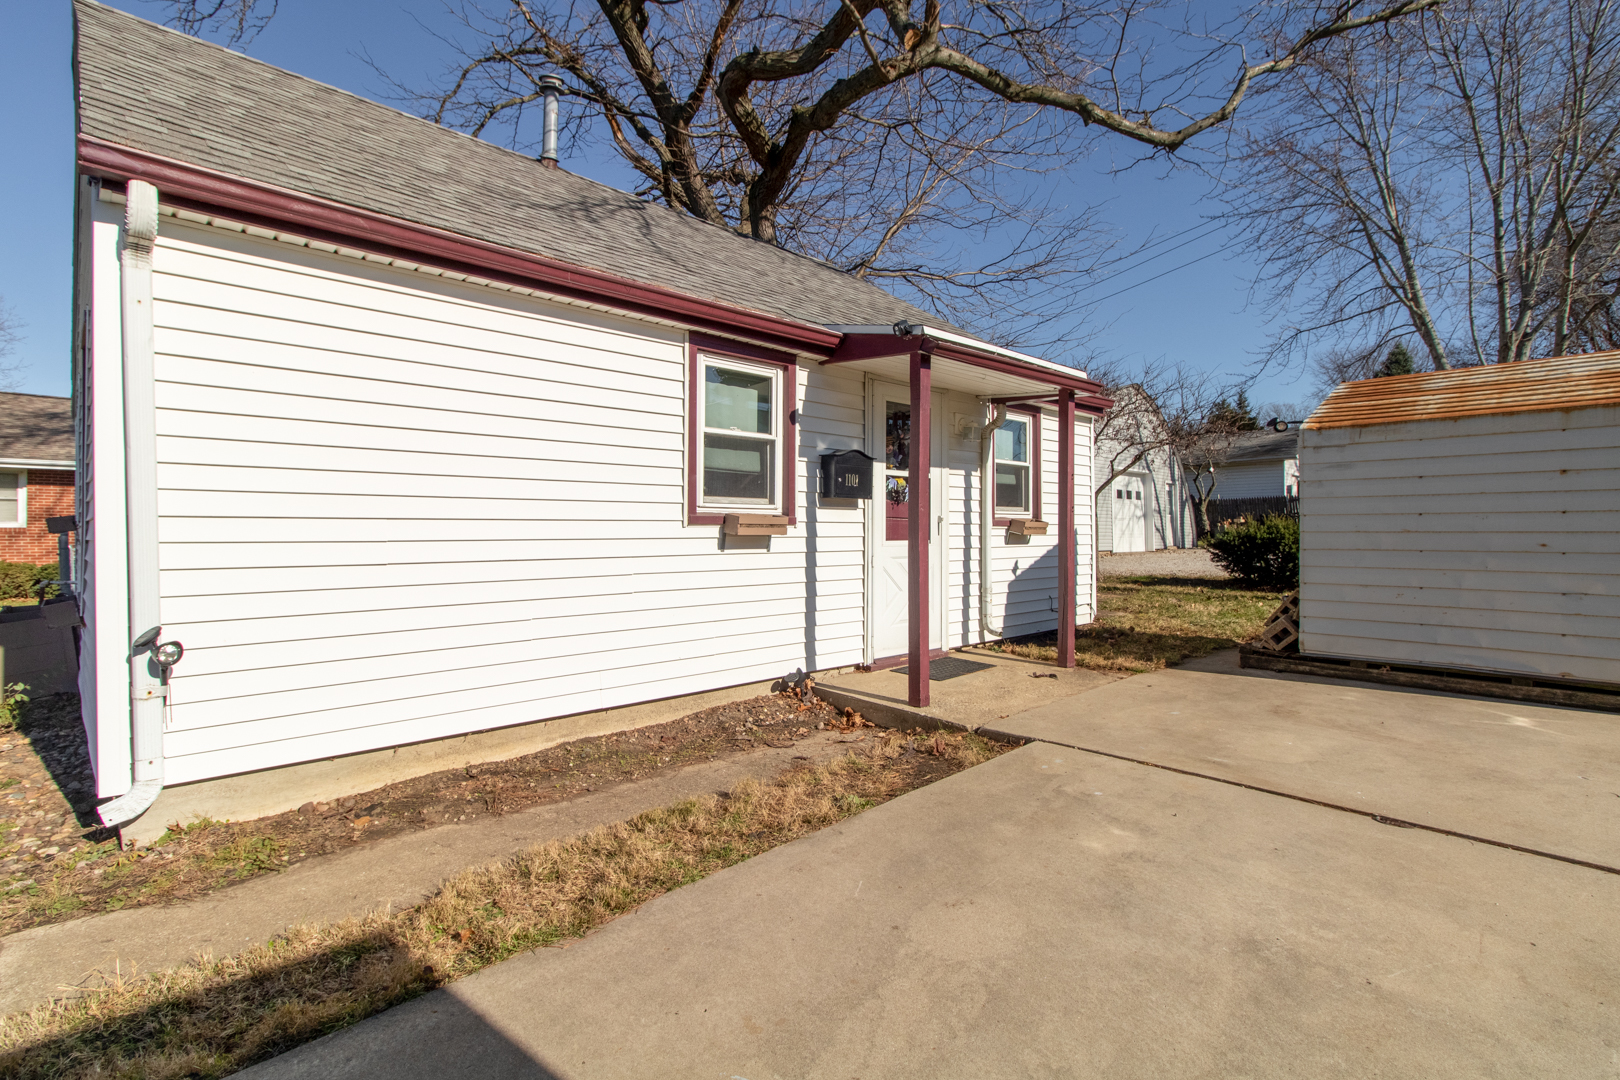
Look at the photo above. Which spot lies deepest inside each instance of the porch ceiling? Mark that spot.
(951, 375)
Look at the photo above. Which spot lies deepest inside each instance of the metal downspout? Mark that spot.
(987, 513)
(146, 687)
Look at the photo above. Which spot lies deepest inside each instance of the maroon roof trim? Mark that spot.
(856, 347)
(204, 189)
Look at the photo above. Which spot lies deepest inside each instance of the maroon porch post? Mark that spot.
(1066, 529)
(919, 523)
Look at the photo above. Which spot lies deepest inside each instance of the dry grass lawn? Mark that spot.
(215, 1017)
(1146, 623)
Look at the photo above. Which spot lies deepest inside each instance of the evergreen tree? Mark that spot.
(1234, 415)
(1398, 362)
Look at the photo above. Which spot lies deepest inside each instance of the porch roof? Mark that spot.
(962, 363)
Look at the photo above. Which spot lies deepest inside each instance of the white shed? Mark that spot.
(405, 436)
(1468, 519)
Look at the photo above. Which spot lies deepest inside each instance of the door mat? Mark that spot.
(948, 667)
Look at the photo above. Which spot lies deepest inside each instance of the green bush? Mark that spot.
(1264, 553)
(20, 579)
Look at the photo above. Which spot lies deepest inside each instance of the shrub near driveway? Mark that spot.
(1262, 553)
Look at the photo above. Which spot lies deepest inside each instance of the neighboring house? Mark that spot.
(427, 438)
(1145, 505)
(36, 474)
(1466, 519)
(1256, 465)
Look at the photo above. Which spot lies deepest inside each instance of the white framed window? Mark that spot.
(13, 499)
(739, 427)
(1015, 489)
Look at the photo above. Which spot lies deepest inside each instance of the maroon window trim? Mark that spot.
(1033, 414)
(722, 348)
(252, 203)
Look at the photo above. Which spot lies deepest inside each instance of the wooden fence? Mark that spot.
(1225, 513)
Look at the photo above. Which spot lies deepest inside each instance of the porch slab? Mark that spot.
(1009, 686)
(1541, 777)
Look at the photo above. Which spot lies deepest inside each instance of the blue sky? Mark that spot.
(1197, 314)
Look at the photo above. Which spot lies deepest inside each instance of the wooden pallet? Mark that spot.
(1281, 634)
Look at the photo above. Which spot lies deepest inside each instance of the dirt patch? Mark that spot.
(55, 864)
(212, 1018)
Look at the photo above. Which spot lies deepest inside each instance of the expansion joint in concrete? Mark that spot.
(1382, 819)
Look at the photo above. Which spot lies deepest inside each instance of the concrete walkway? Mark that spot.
(1066, 914)
(49, 961)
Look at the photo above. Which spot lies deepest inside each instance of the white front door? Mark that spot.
(1130, 517)
(888, 435)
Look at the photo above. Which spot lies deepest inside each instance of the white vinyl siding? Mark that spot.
(396, 508)
(1487, 542)
(1251, 480)
(1024, 570)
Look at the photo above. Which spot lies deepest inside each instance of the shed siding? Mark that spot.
(396, 508)
(1483, 542)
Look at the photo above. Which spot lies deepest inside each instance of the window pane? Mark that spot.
(1012, 441)
(738, 470)
(8, 498)
(1012, 487)
(737, 400)
(897, 436)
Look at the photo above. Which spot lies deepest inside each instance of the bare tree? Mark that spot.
(1159, 407)
(237, 21)
(1452, 177)
(901, 141)
(1536, 88)
(10, 335)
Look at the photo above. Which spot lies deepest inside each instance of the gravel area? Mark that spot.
(1171, 562)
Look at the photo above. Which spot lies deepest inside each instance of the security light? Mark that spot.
(168, 654)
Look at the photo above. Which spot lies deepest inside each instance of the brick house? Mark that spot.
(36, 473)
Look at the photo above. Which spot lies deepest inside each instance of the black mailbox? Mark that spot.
(846, 475)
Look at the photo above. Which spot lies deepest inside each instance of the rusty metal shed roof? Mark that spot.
(1558, 382)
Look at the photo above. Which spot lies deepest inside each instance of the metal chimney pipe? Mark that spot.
(551, 88)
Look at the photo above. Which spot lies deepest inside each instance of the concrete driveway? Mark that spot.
(1062, 913)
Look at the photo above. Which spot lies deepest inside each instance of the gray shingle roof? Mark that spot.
(1264, 445)
(143, 86)
(36, 428)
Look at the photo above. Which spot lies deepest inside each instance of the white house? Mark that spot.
(1467, 519)
(1143, 503)
(1258, 465)
(403, 436)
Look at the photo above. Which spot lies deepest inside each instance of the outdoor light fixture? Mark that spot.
(168, 654)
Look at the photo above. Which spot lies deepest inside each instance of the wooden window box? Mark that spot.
(756, 525)
(1026, 527)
